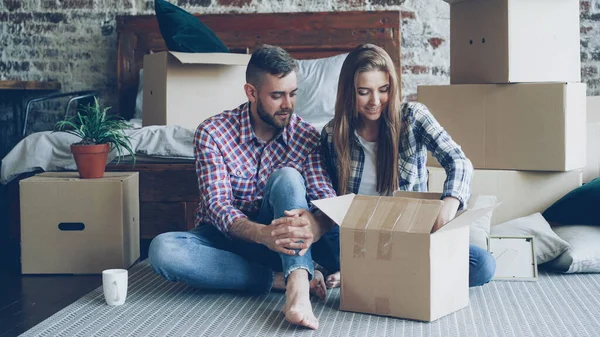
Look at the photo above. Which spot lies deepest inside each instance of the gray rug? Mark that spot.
(556, 305)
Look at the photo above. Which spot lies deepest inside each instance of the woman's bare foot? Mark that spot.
(298, 309)
(334, 280)
(317, 285)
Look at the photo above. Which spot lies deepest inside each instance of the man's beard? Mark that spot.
(273, 120)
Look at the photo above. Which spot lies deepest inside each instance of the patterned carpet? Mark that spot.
(556, 305)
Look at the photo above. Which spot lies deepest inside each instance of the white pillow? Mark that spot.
(317, 89)
(584, 254)
(547, 244)
(479, 231)
(139, 99)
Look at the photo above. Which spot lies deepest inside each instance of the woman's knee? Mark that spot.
(482, 267)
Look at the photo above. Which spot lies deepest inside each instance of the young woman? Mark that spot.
(375, 145)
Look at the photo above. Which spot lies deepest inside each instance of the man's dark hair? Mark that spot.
(269, 59)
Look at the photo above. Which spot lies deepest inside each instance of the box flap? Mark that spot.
(212, 58)
(418, 195)
(398, 214)
(336, 207)
(466, 218)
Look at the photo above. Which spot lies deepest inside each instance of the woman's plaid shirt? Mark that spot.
(420, 132)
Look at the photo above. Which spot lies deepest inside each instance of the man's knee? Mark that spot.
(287, 179)
(482, 267)
(287, 174)
(162, 250)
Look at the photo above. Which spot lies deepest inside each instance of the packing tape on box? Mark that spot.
(360, 250)
(382, 306)
(389, 215)
(382, 213)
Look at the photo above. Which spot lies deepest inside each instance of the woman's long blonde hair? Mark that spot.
(367, 57)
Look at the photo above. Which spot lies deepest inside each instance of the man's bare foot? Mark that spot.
(317, 285)
(298, 309)
(334, 280)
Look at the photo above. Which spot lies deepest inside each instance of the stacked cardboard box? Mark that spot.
(515, 104)
(592, 168)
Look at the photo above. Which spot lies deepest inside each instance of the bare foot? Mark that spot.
(334, 280)
(298, 309)
(317, 285)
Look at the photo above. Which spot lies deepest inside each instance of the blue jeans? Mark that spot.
(205, 258)
(482, 266)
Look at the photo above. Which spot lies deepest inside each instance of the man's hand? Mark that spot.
(250, 231)
(297, 239)
(447, 213)
(297, 225)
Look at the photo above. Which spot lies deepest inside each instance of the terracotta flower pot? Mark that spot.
(90, 159)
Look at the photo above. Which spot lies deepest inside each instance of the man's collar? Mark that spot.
(247, 133)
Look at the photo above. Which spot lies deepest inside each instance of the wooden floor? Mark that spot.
(27, 300)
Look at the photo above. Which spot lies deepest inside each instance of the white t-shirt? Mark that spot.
(368, 181)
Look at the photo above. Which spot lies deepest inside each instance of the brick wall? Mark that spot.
(74, 41)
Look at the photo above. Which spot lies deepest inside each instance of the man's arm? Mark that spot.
(216, 196)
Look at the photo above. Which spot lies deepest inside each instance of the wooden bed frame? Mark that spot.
(168, 191)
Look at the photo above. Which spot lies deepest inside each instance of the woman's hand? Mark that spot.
(447, 213)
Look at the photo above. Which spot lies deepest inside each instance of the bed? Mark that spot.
(168, 188)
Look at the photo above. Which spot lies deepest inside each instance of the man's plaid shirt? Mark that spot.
(233, 165)
(420, 132)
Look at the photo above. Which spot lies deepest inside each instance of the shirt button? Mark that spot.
(239, 173)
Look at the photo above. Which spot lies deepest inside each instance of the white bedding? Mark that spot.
(50, 151)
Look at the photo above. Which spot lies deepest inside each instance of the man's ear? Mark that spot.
(251, 92)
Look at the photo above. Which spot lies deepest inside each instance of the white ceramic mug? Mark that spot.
(114, 283)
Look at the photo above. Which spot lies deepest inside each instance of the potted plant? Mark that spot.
(100, 133)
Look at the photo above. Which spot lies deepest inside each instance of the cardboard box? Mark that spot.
(593, 109)
(520, 193)
(391, 264)
(592, 167)
(186, 88)
(528, 126)
(504, 41)
(79, 226)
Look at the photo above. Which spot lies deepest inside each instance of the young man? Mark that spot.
(258, 167)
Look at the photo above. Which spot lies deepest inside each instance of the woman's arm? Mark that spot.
(328, 153)
(459, 170)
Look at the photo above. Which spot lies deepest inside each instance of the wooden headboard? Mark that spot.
(303, 35)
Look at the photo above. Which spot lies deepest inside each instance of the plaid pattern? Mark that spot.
(420, 132)
(233, 165)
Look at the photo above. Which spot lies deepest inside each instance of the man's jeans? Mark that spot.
(205, 258)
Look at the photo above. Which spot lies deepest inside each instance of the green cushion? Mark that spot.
(183, 32)
(579, 207)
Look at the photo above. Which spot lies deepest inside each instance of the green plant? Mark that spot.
(95, 126)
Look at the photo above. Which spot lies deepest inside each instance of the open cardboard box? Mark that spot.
(186, 88)
(391, 263)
